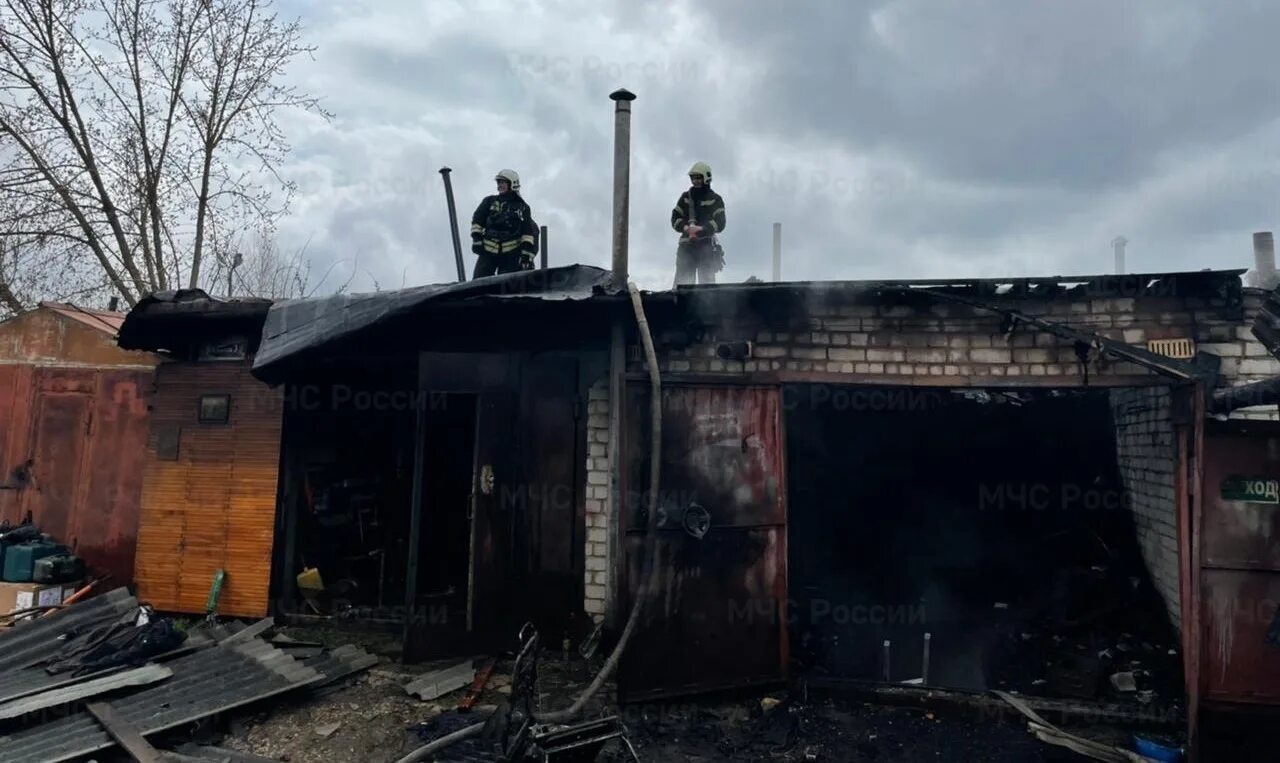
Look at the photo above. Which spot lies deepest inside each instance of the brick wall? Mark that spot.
(1245, 359)
(835, 339)
(597, 551)
(1148, 459)
(958, 345)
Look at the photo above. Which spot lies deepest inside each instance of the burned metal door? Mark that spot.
(717, 615)
(496, 490)
(1240, 562)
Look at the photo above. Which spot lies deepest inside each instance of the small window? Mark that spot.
(215, 409)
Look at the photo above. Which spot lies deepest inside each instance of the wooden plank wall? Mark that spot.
(214, 506)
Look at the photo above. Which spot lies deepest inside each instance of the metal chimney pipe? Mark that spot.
(617, 337)
(542, 245)
(1117, 244)
(453, 224)
(777, 252)
(622, 99)
(1264, 258)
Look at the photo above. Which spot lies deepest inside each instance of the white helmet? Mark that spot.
(510, 176)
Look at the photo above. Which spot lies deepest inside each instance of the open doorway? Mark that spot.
(996, 522)
(350, 446)
(442, 598)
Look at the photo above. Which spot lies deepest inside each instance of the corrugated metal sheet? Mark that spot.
(207, 682)
(214, 507)
(34, 640)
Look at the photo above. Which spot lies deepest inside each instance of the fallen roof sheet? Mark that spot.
(34, 640)
(295, 327)
(140, 676)
(335, 665)
(210, 681)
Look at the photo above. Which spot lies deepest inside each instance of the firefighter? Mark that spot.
(698, 217)
(504, 236)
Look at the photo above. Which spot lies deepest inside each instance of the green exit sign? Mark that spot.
(1251, 489)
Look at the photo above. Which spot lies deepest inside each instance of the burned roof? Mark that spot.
(1207, 283)
(169, 320)
(297, 329)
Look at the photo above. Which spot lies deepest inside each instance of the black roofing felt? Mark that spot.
(302, 327)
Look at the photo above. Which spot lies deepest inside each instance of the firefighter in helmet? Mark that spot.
(698, 217)
(504, 236)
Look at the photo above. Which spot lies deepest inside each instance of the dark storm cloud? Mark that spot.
(892, 139)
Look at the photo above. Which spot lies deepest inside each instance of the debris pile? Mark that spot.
(141, 674)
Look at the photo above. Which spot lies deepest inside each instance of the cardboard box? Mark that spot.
(18, 596)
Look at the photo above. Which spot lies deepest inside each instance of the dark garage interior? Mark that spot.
(994, 521)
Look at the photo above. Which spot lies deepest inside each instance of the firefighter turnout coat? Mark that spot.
(701, 206)
(503, 224)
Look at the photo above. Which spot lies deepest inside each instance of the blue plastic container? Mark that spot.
(20, 559)
(1157, 751)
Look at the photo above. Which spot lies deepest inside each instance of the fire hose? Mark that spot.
(648, 578)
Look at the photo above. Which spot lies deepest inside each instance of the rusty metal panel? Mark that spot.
(48, 336)
(83, 430)
(15, 433)
(1240, 564)
(718, 616)
(1240, 608)
(104, 529)
(1241, 533)
(61, 437)
(214, 507)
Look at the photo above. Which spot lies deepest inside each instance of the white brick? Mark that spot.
(808, 353)
(846, 355)
(595, 592)
(1260, 367)
(593, 606)
(597, 535)
(883, 356)
(1223, 349)
(990, 356)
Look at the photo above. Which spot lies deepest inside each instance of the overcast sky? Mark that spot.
(892, 139)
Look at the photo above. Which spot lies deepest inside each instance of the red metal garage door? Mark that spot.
(717, 618)
(1240, 568)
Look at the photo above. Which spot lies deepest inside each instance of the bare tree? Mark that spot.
(257, 268)
(133, 131)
